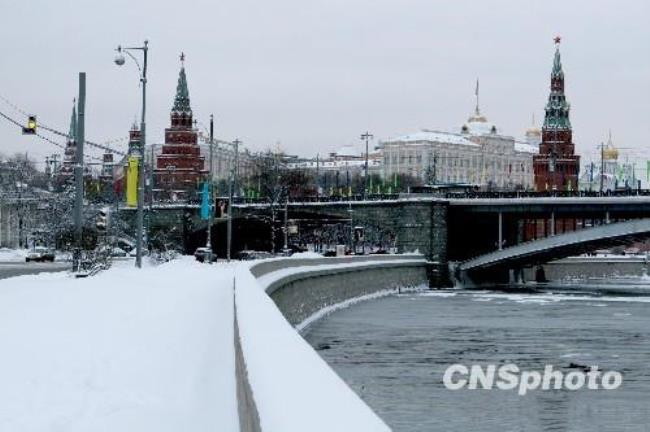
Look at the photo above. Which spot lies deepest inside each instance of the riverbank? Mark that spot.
(582, 268)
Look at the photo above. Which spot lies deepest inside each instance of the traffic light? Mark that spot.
(31, 126)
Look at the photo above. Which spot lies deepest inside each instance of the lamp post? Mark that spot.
(208, 243)
(120, 60)
(366, 136)
(232, 181)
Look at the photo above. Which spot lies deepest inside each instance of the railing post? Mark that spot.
(552, 223)
(500, 230)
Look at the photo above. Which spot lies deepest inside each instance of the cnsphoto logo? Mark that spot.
(510, 377)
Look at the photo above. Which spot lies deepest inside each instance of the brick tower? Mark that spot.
(556, 166)
(180, 167)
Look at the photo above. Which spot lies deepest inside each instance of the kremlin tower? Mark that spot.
(556, 166)
(180, 167)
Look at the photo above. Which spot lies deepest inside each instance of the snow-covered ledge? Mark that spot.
(292, 388)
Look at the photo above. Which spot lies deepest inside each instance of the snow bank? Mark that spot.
(295, 390)
(306, 255)
(12, 255)
(126, 350)
(153, 350)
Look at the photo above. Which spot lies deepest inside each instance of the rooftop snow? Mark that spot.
(525, 147)
(433, 136)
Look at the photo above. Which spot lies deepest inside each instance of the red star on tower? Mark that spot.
(557, 39)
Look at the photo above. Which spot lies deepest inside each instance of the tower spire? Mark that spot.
(557, 61)
(73, 121)
(182, 99)
(477, 111)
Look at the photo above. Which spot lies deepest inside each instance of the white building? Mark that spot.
(346, 160)
(615, 174)
(478, 154)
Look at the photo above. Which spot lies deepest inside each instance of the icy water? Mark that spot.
(393, 352)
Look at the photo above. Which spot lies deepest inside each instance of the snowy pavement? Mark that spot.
(153, 350)
(127, 350)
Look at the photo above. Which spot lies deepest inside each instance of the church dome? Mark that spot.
(478, 124)
(610, 153)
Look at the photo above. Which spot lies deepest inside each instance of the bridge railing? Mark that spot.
(546, 194)
(195, 202)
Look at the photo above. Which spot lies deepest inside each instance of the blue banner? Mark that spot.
(205, 202)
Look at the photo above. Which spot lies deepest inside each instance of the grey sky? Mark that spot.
(316, 74)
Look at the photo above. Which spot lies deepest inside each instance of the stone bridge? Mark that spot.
(443, 230)
(506, 264)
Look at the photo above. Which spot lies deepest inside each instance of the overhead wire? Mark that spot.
(54, 131)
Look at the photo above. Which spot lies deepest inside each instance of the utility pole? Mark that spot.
(229, 221)
(286, 223)
(79, 161)
(318, 188)
(602, 166)
(208, 243)
(366, 136)
(151, 169)
(232, 179)
(236, 143)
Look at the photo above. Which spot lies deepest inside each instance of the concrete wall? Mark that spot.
(416, 225)
(318, 283)
(572, 268)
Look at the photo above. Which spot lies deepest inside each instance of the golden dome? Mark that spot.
(533, 131)
(610, 153)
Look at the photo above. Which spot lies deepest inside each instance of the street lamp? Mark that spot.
(120, 60)
(366, 136)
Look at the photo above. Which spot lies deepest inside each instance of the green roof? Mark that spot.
(182, 99)
(557, 64)
(73, 123)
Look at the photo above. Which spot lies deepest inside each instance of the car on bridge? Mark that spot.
(40, 254)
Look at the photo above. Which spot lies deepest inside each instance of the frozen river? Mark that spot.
(394, 351)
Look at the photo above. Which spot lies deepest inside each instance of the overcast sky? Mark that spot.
(314, 75)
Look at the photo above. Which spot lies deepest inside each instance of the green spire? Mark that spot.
(182, 99)
(557, 63)
(73, 122)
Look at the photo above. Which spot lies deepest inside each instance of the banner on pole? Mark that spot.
(132, 182)
(205, 202)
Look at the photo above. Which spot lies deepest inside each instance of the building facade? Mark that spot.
(556, 165)
(610, 173)
(477, 155)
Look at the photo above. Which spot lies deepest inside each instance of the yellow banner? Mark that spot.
(132, 182)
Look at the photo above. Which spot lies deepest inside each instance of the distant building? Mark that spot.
(477, 155)
(223, 159)
(66, 172)
(611, 173)
(64, 175)
(346, 161)
(556, 166)
(180, 167)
